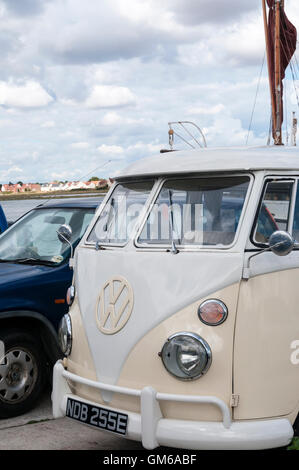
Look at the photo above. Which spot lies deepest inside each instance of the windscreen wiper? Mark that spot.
(174, 249)
(32, 261)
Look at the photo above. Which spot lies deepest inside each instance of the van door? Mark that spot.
(266, 377)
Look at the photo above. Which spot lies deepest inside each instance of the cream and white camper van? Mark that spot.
(183, 329)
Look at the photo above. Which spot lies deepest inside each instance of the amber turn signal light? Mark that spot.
(212, 312)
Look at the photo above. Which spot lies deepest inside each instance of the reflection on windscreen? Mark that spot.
(121, 212)
(196, 211)
(34, 237)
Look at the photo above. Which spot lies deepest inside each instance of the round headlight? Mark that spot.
(65, 335)
(213, 312)
(187, 356)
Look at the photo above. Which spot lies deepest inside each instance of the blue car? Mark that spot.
(34, 278)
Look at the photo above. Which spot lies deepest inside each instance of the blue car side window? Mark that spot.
(3, 221)
(274, 210)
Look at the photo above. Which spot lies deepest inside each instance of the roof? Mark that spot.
(217, 159)
(75, 203)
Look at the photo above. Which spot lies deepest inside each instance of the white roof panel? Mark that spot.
(217, 159)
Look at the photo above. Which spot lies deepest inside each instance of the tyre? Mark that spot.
(296, 427)
(22, 373)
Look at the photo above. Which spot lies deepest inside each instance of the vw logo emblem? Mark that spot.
(114, 305)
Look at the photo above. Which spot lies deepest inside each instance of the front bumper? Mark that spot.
(153, 430)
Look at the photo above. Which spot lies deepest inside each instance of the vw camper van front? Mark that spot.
(165, 337)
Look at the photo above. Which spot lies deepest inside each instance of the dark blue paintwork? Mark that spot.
(34, 288)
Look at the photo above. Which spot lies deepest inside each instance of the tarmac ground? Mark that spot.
(37, 430)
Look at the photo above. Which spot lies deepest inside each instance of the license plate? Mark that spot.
(97, 416)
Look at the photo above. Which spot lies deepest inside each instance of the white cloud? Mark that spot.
(48, 124)
(66, 175)
(6, 122)
(105, 96)
(113, 119)
(80, 145)
(14, 171)
(110, 149)
(146, 148)
(235, 50)
(228, 131)
(119, 74)
(29, 95)
(68, 102)
(110, 119)
(217, 109)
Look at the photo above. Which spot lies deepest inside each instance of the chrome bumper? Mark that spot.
(153, 430)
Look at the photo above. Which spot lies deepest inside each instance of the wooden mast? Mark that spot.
(278, 133)
(269, 66)
(276, 86)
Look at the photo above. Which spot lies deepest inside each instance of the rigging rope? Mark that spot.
(255, 99)
(184, 140)
(188, 132)
(270, 131)
(294, 83)
(296, 60)
(286, 113)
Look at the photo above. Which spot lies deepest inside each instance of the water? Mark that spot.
(14, 209)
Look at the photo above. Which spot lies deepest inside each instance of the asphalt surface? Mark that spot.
(37, 430)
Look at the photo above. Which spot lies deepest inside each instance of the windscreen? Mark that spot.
(196, 211)
(33, 238)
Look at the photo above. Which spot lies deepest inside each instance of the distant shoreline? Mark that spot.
(51, 195)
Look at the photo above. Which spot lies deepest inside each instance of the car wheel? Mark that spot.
(296, 427)
(22, 373)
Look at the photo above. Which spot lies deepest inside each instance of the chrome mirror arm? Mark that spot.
(246, 269)
(68, 242)
(64, 235)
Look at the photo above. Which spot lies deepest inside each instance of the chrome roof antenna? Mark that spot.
(185, 125)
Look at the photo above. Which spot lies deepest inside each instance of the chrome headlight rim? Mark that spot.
(211, 301)
(65, 335)
(203, 343)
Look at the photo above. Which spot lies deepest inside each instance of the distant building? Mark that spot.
(56, 186)
(20, 188)
(36, 188)
(102, 184)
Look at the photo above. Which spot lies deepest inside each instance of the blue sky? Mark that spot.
(84, 83)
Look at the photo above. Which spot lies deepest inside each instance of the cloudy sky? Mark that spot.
(93, 84)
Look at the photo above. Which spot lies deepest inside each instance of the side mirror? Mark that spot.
(65, 233)
(281, 243)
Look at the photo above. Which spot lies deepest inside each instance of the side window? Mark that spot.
(274, 210)
(296, 217)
